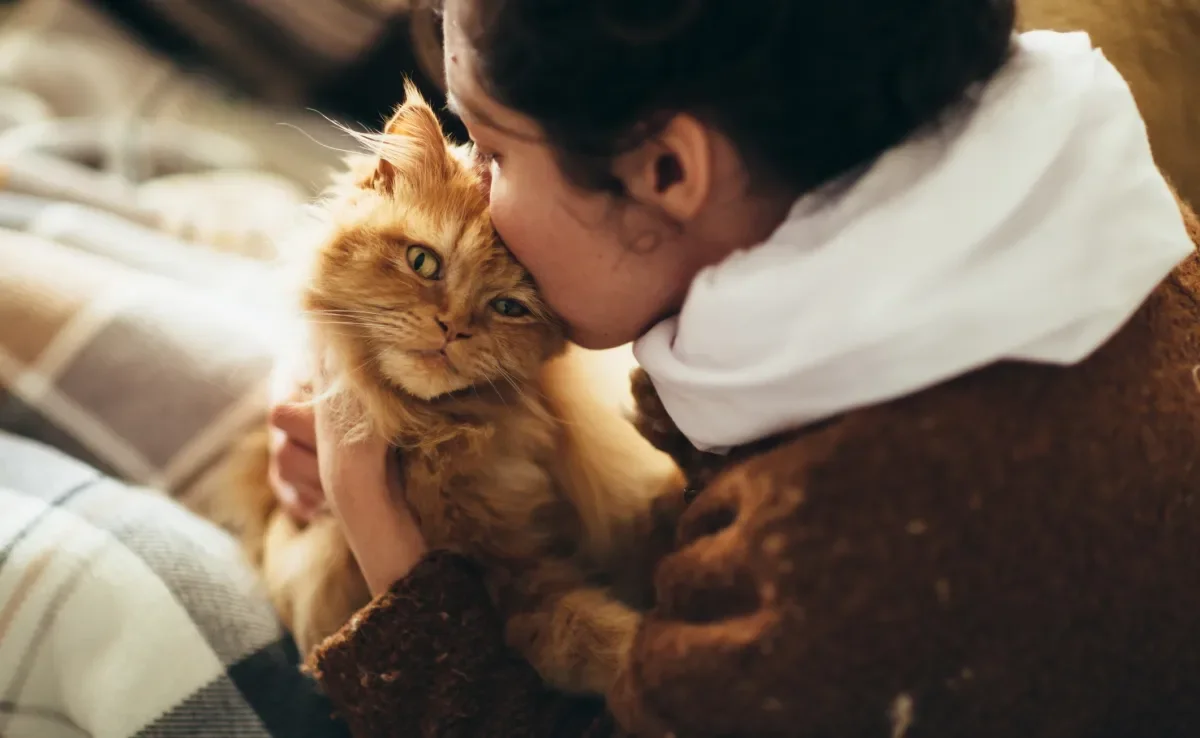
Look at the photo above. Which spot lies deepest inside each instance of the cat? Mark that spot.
(437, 339)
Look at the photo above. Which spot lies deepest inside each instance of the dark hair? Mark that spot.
(807, 90)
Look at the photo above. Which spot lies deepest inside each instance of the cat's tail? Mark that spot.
(312, 577)
(310, 573)
(245, 502)
(609, 471)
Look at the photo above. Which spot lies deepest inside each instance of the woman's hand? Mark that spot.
(362, 486)
(293, 471)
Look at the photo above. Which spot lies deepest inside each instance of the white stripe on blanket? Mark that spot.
(93, 609)
(122, 615)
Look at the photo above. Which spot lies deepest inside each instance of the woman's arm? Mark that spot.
(427, 658)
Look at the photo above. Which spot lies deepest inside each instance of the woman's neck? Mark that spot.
(737, 218)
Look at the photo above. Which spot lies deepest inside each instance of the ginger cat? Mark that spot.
(436, 338)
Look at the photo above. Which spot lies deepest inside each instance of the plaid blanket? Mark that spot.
(144, 376)
(121, 615)
(136, 339)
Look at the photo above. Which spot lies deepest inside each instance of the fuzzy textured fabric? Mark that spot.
(1010, 553)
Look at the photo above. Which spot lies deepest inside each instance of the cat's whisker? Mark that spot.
(368, 317)
(366, 309)
(508, 377)
(350, 320)
(322, 144)
(348, 313)
(330, 321)
(397, 323)
(362, 366)
(348, 323)
(494, 389)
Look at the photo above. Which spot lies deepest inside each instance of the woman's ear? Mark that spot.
(673, 170)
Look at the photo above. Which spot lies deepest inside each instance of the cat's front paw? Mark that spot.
(650, 417)
(578, 642)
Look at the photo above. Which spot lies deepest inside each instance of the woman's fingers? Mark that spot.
(293, 472)
(296, 421)
(347, 468)
(296, 477)
(362, 486)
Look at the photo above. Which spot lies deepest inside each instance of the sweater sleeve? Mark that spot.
(428, 658)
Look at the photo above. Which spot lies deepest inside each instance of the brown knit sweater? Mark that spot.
(1012, 554)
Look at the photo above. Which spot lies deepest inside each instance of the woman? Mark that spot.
(916, 314)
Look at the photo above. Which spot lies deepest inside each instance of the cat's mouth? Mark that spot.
(437, 357)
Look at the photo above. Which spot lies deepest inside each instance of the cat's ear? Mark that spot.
(412, 146)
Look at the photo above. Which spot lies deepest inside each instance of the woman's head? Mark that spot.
(638, 141)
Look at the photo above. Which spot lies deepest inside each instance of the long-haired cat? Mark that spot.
(436, 339)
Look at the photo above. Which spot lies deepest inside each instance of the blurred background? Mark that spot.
(198, 118)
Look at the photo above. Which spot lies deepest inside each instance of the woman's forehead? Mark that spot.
(467, 99)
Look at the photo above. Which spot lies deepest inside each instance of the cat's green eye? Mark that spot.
(424, 262)
(509, 308)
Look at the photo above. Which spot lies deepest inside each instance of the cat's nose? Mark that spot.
(452, 330)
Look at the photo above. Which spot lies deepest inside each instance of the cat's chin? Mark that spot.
(423, 374)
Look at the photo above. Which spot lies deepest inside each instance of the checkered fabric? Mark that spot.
(121, 613)
(145, 376)
(137, 330)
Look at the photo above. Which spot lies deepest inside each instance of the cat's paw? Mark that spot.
(652, 420)
(579, 641)
(650, 416)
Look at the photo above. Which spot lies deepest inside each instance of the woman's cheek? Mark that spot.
(496, 202)
(504, 215)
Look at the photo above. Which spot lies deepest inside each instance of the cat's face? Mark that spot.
(415, 273)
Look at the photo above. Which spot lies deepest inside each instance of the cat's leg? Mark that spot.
(579, 641)
(244, 501)
(645, 538)
(312, 578)
(310, 573)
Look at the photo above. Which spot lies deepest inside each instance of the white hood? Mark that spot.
(1031, 230)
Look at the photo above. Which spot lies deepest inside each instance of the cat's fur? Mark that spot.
(505, 455)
